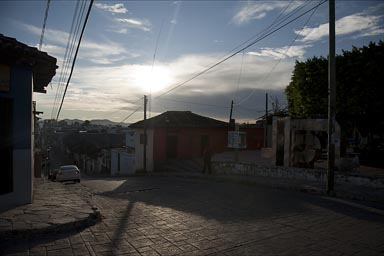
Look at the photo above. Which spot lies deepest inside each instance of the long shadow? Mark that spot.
(349, 208)
(22, 245)
(222, 201)
(121, 227)
(226, 201)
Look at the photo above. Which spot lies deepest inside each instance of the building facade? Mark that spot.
(177, 135)
(23, 70)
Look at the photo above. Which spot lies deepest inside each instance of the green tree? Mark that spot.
(359, 86)
(307, 91)
(359, 92)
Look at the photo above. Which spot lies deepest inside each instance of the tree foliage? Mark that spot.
(359, 87)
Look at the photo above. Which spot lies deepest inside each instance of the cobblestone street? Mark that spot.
(179, 216)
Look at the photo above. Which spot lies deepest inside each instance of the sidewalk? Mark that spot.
(54, 209)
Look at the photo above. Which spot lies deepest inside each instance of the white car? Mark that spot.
(68, 173)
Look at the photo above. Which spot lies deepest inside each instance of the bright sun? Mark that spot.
(152, 80)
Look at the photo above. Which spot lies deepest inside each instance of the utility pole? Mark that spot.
(145, 135)
(266, 119)
(230, 115)
(331, 99)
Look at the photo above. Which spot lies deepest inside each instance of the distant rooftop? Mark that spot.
(180, 119)
(43, 66)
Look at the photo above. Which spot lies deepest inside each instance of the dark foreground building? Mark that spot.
(23, 70)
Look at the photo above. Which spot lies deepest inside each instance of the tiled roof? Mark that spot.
(43, 66)
(179, 119)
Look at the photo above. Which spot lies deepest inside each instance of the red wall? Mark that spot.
(189, 141)
(255, 137)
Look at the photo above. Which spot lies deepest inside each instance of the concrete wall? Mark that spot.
(122, 163)
(130, 139)
(139, 149)
(374, 181)
(127, 163)
(288, 138)
(21, 92)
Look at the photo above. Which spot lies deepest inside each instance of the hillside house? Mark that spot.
(177, 135)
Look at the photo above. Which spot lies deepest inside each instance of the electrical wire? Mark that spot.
(195, 103)
(67, 58)
(115, 111)
(235, 53)
(284, 54)
(239, 76)
(44, 24)
(128, 116)
(72, 44)
(74, 59)
(153, 64)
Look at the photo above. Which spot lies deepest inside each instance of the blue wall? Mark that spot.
(21, 93)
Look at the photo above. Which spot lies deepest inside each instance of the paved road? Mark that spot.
(175, 216)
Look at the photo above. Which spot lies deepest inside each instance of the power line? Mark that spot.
(235, 53)
(128, 116)
(284, 54)
(195, 103)
(74, 59)
(115, 111)
(239, 76)
(153, 63)
(68, 53)
(44, 24)
(72, 45)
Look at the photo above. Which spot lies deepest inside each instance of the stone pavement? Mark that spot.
(154, 215)
(54, 209)
(345, 191)
(178, 216)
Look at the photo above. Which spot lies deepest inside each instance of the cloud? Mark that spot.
(52, 35)
(359, 24)
(101, 52)
(283, 52)
(98, 90)
(136, 23)
(121, 31)
(115, 8)
(255, 11)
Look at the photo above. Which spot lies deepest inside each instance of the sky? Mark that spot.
(135, 48)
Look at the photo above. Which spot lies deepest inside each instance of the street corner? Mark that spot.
(55, 208)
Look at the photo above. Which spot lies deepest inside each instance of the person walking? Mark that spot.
(207, 160)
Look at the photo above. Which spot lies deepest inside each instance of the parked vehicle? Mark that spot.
(68, 173)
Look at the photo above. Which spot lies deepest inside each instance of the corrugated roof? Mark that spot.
(179, 119)
(43, 66)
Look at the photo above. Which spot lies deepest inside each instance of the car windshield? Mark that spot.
(69, 167)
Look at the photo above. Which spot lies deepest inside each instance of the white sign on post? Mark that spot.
(237, 139)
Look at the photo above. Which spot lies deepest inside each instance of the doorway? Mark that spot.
(171, 146)
(280, 143)
(6, 146)
(204, 143)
